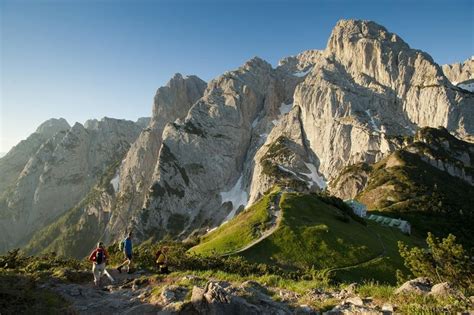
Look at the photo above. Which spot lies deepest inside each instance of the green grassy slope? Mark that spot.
(383, 268)
(238, 232)
(314, 234)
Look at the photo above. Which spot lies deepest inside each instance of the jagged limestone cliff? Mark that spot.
(349, 102)
(211, 150)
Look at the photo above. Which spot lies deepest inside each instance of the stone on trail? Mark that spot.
(419, 285)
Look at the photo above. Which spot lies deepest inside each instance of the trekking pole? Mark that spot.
(108, 275)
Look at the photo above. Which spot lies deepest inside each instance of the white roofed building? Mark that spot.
(359, 208)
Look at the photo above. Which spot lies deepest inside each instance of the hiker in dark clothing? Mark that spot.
(99, 258)
(126, 247)
(162, 260)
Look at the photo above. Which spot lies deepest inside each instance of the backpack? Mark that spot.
(99, 256)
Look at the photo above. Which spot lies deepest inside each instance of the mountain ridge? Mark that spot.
(212, 149)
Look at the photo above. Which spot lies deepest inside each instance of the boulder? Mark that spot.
(222, 298)
(355, 301)
(173, 293)
(348, 291)
(419, 285)
(445, 289)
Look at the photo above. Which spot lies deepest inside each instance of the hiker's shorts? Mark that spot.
(98, 270)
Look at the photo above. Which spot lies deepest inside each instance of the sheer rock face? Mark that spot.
(171, 102)
(459, 72)
(207, 153)
(367, 86)
(285, 159)
(174, 100)
(61, 172)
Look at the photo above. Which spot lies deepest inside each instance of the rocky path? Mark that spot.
(125, 296)
(275, 219)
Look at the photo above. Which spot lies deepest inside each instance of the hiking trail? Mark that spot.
(124, 296)
(275, 219)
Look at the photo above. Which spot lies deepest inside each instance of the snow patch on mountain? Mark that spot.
(115, 182)
(469, 86)
(291, 172)
(314, 176)
(237, 196)
(301, 74)
(372, 121)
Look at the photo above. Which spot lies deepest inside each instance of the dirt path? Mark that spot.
(276, 215)
(125, 296)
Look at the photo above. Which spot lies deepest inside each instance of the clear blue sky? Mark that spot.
(89, 59)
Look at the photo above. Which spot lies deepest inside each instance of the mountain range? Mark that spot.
(361, 119)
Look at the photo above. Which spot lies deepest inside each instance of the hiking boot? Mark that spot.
(119, 269)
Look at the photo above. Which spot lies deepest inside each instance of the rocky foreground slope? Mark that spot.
(51, 285)
(212, 149)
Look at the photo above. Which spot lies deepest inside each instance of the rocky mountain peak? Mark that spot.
(52, 126)
(365, 46)
(354, 30)
(212, 149)
(175, 99)
(91, 124)
(257, 62)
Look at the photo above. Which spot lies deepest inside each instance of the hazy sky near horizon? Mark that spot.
(90, 59)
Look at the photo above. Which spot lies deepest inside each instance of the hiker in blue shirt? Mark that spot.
(126, 247)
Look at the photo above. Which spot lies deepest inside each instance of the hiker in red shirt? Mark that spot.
(99, 258)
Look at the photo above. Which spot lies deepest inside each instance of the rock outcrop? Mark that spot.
(172, 102)
(434, 146)
(350, 181)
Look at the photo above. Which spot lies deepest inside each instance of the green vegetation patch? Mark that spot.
(384, 268)
(430, 199)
